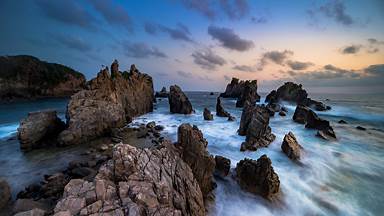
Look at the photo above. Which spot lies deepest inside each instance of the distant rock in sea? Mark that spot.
(27, 77)
(178, 101)
(162, 93)
(242, 90)
(207, 114)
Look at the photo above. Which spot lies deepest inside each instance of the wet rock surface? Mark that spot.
(207, 114)
(254, 124)
(300, 115)
(39, 129)
(223, 165)
(291, 147)
(178, 101)
(110, 101)
(258, 177)
(220, 111)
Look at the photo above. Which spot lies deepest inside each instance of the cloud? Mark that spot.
(374, 41)
(244, 68)
(181, 32)
(333, 9)
(235, 9)
(205, 78)
(229, 39)
(207, 59)
(353, 49)
(142, 50)
(297, 65)
(227, 78)
(184, 74)
(259, 20)
(68, 12)
(72, 42)
(204, 7)
(276, 57)
(375, 70)
(114, 14)
(374, 45)
(150, 28)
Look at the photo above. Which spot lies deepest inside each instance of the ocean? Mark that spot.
(341, 177)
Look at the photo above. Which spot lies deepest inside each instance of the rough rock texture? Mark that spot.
(33, 212)
(254, 124)
(195, 154)
(291, 147)
(258, 177)
(27, 77)
(39, 128)
(315, 122)
(110, 101)
(178, 101)
(23, 205)
(242, 90)
(162, 94)
(5, 193)
(220, 111)
(223, 165)
(207, 114)
(300, 115)
(136, 182)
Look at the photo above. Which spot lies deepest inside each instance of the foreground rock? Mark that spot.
(291, 147)
(110, 101)
(39, 129)
(207, 114)
(258, 177)
(220, 111)
(136, 182)
(195, 154)
(5, 193)
(162, 93)
(223, 165)
(254, 124)
(27, 77)
(242, 90)
(178, 101)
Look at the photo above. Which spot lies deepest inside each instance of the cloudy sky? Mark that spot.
(329, 46)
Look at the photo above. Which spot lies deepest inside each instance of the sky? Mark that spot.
(331, 46)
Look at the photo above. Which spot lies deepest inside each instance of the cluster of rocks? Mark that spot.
(304, 115)
(254, 124)
(178, 101)
(244, 91)
(27, 77)
(162, 93)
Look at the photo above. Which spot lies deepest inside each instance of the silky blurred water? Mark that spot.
(343, 177)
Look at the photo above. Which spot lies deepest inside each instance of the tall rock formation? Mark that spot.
(178, 101)
(242, 90)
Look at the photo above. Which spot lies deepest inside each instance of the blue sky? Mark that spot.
(200, 44)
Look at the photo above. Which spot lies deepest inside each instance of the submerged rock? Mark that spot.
(258, 177)
(361, 128)
(5, 193)
(162, 93)
(220, 111)
(291, 147)
(207, 114)
(223, 165)
(110, 101)
(254, 124)
(195, 154)
(178, 101)
(38, 129)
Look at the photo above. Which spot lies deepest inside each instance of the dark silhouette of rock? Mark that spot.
(5, 193)
(195, 154)
(211, 93)
(207, 114)
(39, 129)
(223, 165)
(149, 181)
(231, 118)
(178, 101)
(291, 147)
(258, 177)
(271, 97)
(242, 90)
(342, 122)
(315, 122)
(282, 113)
(162, 93)
(254, 124)
(361, 128)
(26, 77)
(220, 111)
(300, 115)
(110, 101)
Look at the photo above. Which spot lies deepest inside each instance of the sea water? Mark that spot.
(342, 177)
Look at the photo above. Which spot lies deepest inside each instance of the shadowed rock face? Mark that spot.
(300, 115)
(223, 165)
(195, 154)
(291, 147)
(207, 114)
(38, 129)
(110, 101)
(254, 124)
(137, 181)
(258, 177)
(242, 90)
(220, 111)
(27, 77)
(178, 101)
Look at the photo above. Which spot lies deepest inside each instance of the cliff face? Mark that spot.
(27, 77)
(109, 101)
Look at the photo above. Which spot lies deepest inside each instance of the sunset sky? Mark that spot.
(200, 44)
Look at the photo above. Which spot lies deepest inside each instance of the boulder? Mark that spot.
(23, 205)
(38, 129)
(195, 154)
(300, 115)
(178, 101)
(291, 147)
(5, 193)
(136, 181)
(248, 94)
(110, 101)
(220, 111)
(254, 124)
(162, 93)
(258, 177)
(342, 122)
(207, 114)
(282, 113)
(33, 212)
(361, 128)
(223, 165)
(315, 122)
(27, 77)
